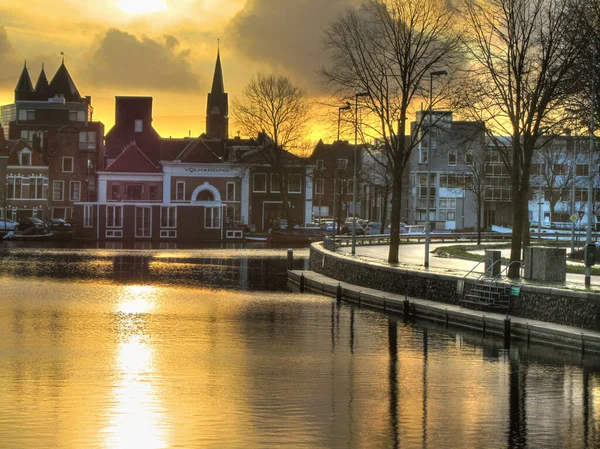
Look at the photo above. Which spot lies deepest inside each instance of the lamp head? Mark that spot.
(362, 94)
(439, 73)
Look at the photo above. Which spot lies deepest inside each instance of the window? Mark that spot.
(115, 192)
(560, 169)
(275, 184)
(27, 135)
(114, 215)
(342, 164)
(582, 169)
(15, 185)
(469, 159)
(168, 217)
(143, 222)
(319, 186)
(259, 182)
(25, 158)
(180, 191)
(212, 217)
(36, 188)
(67, 165)
(447, 209)
(26, 114)
(87, 140)
(58, 190)
(320, 164)
(294, 184)
(77, 116)
(88, 216)
(230, 191)
(134, 191)
(75, 191)
(452, 158)
(423, 154)
(138, 126)
(152, 192)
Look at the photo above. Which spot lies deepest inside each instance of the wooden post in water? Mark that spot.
(507, 332)
(338, 292)
(302, 283)
(290, 259)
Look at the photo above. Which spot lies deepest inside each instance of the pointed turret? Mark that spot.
(217, 107)
(62, 84)
(24, 87)
(41, 87)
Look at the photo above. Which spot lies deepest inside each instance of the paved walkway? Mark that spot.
(413, 254)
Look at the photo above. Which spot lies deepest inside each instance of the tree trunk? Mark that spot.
(386, 196)
(517, 234)
(395, 221)
(479, 204)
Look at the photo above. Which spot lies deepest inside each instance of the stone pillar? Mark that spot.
(545, 264)
(493, 265)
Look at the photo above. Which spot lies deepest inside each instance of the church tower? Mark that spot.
(217, 107)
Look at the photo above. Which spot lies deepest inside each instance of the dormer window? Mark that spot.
(138, 126)
(25, 158)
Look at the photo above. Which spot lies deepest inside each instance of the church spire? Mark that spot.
(217, 85)
(24, 84)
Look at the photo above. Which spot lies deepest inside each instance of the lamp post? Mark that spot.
(427, 224)
(347, 107)
(354, 177)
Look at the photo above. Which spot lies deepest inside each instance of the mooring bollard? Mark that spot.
(290, 259)
(338, 292)
(302, 283)
(507, 331)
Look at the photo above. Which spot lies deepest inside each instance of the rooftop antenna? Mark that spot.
(218, 44)
(62, 53)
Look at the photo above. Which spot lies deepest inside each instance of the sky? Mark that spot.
(166, 49)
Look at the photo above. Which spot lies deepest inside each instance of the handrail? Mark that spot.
(499, 276)
(478, 263)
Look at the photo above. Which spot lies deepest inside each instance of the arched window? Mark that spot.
(205, 195)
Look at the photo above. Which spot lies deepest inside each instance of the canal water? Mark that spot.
(211, 349)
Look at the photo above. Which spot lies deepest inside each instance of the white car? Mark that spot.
(8, 225)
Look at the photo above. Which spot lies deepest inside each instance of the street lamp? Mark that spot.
(347, 107)
(427, 224)
(354, 180)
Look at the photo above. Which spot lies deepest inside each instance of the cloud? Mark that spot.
(287, 37)
(8, 61)
(121, 60)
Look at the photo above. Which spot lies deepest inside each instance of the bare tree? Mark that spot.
(275, 109)
(387, 49)
(520, 76)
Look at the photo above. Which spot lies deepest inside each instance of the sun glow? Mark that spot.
(142, 6)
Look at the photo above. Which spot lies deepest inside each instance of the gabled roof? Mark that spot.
(198, 152)
(264, 155)
(132, 160)
(217, 85)
(41, 87)
(14, 146)
(62, 83)
(24, 83)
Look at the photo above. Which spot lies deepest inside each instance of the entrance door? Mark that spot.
(271, 211)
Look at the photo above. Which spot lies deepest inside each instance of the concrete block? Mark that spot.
(545, 263)
(492, 262)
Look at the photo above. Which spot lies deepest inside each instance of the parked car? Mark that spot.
(347, 229)
(7, 224)
(60, 228)
(327, 226)
(373, 228)
(32, 226)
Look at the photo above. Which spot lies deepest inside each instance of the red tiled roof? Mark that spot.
(132, 160)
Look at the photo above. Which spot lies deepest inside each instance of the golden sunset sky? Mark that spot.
(165, 49)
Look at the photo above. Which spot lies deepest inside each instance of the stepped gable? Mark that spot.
(198, 152)
(132, 160)
(62, 84)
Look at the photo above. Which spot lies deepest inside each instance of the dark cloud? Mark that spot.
(288, 36)
(9, 63)
(120, 59)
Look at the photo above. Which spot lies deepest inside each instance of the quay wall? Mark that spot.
(554, 305)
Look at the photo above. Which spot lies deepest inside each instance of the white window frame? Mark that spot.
(171, 212)
(319, 186)
(177, 191)
(115, 225)
(28, 153)
(62, 190)
(423, 155)
(293, 175)
(472, 162)
(138, 125)
(228, 187)
(254, 177)
(72, 164)
(26, 114)
(146, 212)
(88, 216)
(341, 164)
(71, 184)
(273, 179)
(450, 154)
(212, 217)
